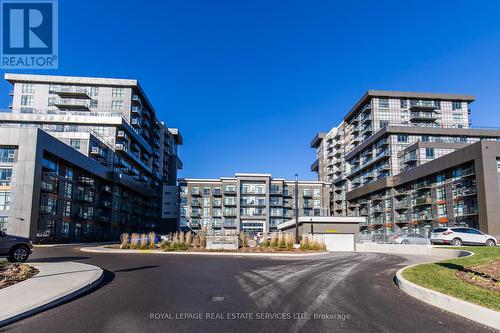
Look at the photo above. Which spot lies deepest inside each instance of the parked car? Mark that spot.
(15, 248)
(411, 239)
(457, 236)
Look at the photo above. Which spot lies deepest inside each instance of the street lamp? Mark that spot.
(296, 208)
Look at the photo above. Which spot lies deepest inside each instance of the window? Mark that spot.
(437, 104)
(26, 100)
(458, 118)
(67, 208)
(429, 152)
(116, 105)
(50, 101)
(65, 229)
(306, 192)
(69, 173)
(383, 103)
(78, 230)
(425, 138)
(26, 110)
(384, 123)
(5, 176)
(93, 103)
(402, 138)
(3, 223)
(27, 88)
(404, 104)
(206, 191)
(117, 92)
(74, 143)
(94, 91)
(7, 155)
(5, 200)
(317, 192)
(317, 203)
(440, 193)
(456, 105)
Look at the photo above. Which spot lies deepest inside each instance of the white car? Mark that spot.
(457, 236)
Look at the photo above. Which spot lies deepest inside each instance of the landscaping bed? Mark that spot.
(12, 273)
(474, 279)
(188, 242)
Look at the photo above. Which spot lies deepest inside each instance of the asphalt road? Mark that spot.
(344, 292)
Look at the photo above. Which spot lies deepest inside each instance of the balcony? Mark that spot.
(195, 213)
(72, 104)
(402, 205)
(196, 203)
(410, 158)
(136, 123)
(217, 203)
(230, 203)
(136, 100)
(230, 224)
(230, 191)
(195, 192)
(71, 92)
(420, 201)
(217, 192)
(422, 105)
(230, 212)
(122, 135)
(423, 116)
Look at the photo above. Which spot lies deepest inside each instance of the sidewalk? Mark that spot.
(55, 283)
(73, 244)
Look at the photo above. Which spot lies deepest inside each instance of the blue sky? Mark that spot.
(250, 83)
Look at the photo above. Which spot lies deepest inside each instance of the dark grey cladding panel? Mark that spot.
(443, 145)
(317, 140)
(469, 153)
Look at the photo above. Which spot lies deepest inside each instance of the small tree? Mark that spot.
(243, 239)
(134, 241)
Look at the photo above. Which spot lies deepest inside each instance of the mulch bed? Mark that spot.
(12, 273)
(484, 276)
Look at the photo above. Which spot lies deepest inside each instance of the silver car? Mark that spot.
(15, 248)
(411, 239)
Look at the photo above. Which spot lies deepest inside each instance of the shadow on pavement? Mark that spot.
(135, 269)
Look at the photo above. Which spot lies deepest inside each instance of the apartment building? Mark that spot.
(247, 202)
(129, 154)
(388, 135)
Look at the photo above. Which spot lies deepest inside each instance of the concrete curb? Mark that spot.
(81, 277)
(451, 304)
(100, 249)
(72, 244)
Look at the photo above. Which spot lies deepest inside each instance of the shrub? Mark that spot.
(124, 241)
(152, 239)
(244, 239)
(196, 241)
(134, 241)
(181, 237)
(144, 242)
(203, 241)
(274, 240)
(188, 238)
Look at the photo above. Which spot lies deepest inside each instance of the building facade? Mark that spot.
(112, 124)
(388, 135)
(247, 202)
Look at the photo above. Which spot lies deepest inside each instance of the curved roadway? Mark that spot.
(343, 292)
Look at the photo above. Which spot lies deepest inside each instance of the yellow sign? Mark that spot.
(331, 230)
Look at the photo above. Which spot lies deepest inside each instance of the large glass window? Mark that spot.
(117, 92)
(4, 200)
(75, 143)
(7, 155)
(3, 223)
(27, 88)
(116, 105)
(26, 100)
(383, 103)
(456, 105)
(5, 176)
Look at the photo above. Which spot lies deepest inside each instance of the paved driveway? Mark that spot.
(343, 292)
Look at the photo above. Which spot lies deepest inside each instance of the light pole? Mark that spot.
(296, 208)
